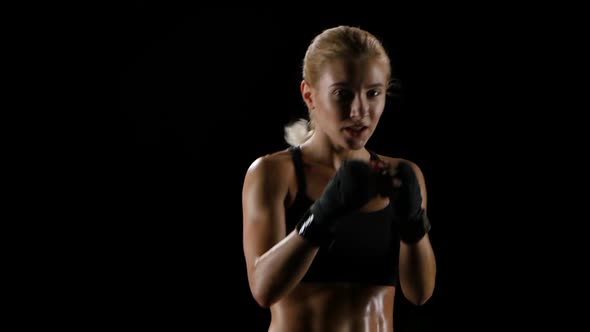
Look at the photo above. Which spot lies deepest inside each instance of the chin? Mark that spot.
(355, 144)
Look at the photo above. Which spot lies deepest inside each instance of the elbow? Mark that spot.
(262, 289)
(262, 296)
(418, 293)
(419, 297)
(261, 299)
(419, 300)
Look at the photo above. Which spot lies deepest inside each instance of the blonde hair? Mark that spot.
(337, 42)
(299, 131)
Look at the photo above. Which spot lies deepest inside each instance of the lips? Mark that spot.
(356, 127)
(355, 131)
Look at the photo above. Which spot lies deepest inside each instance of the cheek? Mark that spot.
(377, 112)
(330, 118)
(330, 111)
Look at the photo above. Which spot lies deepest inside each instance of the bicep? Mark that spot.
(263, 212)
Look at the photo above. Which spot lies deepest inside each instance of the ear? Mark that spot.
(306, 93)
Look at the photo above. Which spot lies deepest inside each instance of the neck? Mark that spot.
(323, 151)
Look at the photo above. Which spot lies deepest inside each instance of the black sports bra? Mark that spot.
(366, 247)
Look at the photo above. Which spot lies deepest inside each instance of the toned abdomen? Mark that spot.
(335, 307)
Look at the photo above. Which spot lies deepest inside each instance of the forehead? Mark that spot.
(362, 71)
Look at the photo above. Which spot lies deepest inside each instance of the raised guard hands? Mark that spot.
(403, 188)
(353, 185)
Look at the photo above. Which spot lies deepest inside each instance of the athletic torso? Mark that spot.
(351, 284)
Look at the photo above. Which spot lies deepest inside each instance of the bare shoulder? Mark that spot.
(271, 170)
(274, 163)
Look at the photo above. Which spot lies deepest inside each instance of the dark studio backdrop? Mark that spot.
(203, 92)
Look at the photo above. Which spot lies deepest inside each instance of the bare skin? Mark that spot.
(335, 307)
(277, 259)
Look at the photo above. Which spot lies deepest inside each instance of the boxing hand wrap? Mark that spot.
(412, 218)
(412, 230)
(353, 185)
(317, 233)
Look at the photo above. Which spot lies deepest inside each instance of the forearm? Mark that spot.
(417, 270)
(281, 268)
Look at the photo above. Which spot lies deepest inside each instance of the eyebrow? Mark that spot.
(374, 85)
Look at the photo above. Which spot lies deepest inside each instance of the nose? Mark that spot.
(359, 108)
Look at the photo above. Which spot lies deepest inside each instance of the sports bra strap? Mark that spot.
(299, 169)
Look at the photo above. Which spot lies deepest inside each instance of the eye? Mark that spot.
(373, 93)
(343, 94)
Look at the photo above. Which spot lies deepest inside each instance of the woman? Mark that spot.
(333, 230)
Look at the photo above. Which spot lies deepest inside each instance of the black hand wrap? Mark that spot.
(413, 221)
(353, 185)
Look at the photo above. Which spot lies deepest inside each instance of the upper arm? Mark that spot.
(263, 211)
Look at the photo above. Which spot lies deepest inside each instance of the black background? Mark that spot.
(203, 92)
